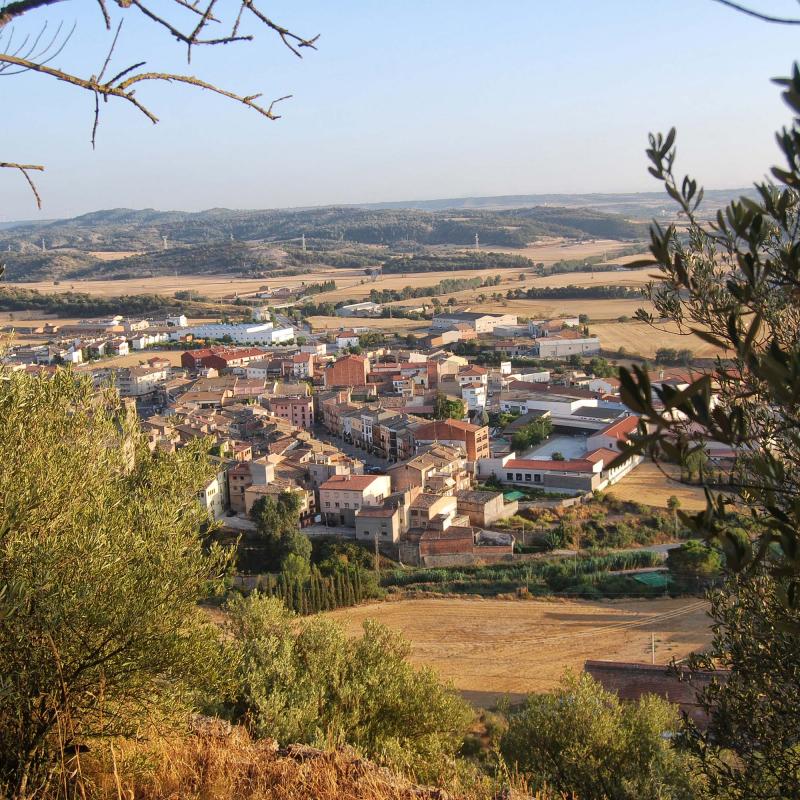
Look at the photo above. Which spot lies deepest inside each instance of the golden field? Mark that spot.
(492, 647)
(643, 339)
(648, 484)
(337, 323)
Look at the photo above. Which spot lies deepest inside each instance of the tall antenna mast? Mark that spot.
(43, 245)
(304, 243)
(164, 238)
(477, 242)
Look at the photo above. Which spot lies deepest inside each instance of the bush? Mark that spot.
(307, 681)
(585, 741)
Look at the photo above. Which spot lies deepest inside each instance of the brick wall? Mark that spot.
(630, 681)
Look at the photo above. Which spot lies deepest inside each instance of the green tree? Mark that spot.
(584, 741)
(101, 568)
(673, 504)
(694, 559)
(307, 681)
(278, 525)
(749, 750)
(447, 409)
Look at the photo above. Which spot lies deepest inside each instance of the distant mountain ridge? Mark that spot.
(225, 241)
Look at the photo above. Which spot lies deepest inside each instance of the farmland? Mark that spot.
(640, 338)
(647, 484)
(491, 647)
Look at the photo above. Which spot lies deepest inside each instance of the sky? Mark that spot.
(404, 99)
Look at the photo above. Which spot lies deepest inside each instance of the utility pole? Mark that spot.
(653, 648)
(477, 242)
(304, 243)
(377, 557)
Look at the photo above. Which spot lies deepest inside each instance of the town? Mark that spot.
(393, 441)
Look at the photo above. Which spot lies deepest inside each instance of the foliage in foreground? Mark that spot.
(750, 750)
(101, 568)
(307, 681)
(583, 740)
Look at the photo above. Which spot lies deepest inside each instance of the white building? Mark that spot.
(264, 333)
(346, 339)
(479, 322)
(558, 347)
(474, 396)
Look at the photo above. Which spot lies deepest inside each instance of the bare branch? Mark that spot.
(17, 9)
(758, 15)
(287, 37)
(24, 169)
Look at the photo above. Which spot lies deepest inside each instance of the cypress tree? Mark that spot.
(357, 585)
(340, 597)
(351, 594)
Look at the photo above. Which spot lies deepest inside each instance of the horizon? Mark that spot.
(451, 103)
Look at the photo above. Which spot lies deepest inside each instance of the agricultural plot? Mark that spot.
(644, 340)
(649, 485)
(492, 647)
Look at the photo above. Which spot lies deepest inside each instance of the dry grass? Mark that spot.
(647, 484)
(644, 340)
(223, 763)
(134, 359)
(492, 647)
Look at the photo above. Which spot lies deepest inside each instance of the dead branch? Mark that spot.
(759, 15)
(33, 56)
(24, 169)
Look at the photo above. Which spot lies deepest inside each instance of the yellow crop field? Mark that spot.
(644, 340)
(492, 647)
(648, 484)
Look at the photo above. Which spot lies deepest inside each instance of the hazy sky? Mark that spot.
(407, 99)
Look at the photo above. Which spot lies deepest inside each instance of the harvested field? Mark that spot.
(105, 255)
(133, 359)
(549, 250)
(376, 324)
(640, 338)
(648, 484)
(492, 647)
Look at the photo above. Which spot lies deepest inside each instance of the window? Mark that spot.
(337, 505)
(528, 477)
(346, 505)
(519, 476)
(537, 478)
(509, 476)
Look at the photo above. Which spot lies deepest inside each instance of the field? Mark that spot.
(640, 338)
(376, 323)
(492, 647)
(647, 484)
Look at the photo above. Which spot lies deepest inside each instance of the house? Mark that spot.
(484, 508)
(220, 358)
(427, 508)
(301, 365)
(472, 375)
(437, 469)
(307, 509)
(297, 410)
(342, 495)
(381, 523)
(240, 477)
(141, 381)
(475, 321)
(213, 497)
(474, 439)
(347, 371)
(474, 396)
(346, 338)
